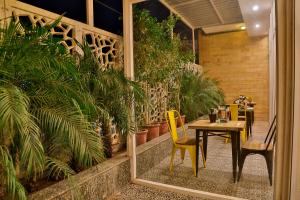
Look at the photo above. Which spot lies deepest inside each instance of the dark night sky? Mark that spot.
(107, 13)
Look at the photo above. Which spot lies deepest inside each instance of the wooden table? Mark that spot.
(233, 127)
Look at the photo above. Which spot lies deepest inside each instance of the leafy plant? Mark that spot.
(112, 91)
(198, 93)
(157, 51)
(44, 110)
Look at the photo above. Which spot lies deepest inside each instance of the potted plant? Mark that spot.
(181, 120)
(141, 136)
(164, 127)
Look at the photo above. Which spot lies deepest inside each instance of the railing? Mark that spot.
(108, 47)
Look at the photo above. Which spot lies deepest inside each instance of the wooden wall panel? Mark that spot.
(240, 63)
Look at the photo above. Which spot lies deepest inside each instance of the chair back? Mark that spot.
(271, 134)
(172, 123)
(234, 111)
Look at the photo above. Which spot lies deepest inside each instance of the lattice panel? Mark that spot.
(158, 99)
(195, 68)
(106, 49)
(63, 31)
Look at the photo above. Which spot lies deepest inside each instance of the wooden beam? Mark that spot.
(217, 11)
(90, 12)
(182, 18)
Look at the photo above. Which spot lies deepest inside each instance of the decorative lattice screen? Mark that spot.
(108, 47)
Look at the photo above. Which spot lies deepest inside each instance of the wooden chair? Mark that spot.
(182, 143)
(264, 148)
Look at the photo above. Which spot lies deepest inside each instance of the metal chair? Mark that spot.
(264, 148)
(182, 143)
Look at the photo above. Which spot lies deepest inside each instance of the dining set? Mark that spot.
(232, 129)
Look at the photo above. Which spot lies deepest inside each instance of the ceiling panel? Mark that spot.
(229, 10)
(227, 14)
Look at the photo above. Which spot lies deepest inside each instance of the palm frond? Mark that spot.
(69, 122)
(58, 169)
(14, 189)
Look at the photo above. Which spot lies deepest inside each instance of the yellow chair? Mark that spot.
(182, 143)
(234, 111)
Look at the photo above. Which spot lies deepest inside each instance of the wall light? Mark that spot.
(257, 25)
(255, 8)
(243, 27)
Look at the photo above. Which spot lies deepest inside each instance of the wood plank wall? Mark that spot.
(240, 63)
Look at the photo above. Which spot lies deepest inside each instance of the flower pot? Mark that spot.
(182, 120)
(141, 137)
(153, 131)
(163, 127)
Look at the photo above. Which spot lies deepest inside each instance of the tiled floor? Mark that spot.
(217, 176)
(136, 192)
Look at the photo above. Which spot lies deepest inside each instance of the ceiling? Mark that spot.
(205, 13)
(215, 16)
(259, 17)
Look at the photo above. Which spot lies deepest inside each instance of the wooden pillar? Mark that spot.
(295, 190)
(193, 41)
(90, 12)
(285, 98)
(129, 73)
(200, 46)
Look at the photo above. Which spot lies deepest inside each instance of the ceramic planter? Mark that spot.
(153, 131)
(163, 127)
(141, 137)
(182, 119)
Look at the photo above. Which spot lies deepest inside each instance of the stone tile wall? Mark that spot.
(109, 177)
(240, 63)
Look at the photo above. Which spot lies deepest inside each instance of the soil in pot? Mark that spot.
(163, 127)
(141, 137)
(153, 131)
(179, 121)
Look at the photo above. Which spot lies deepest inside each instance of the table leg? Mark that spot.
(238, 145)
(234, 154)
(205, 136)
(197, 149)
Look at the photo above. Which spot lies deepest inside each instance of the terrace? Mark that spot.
(78, 90)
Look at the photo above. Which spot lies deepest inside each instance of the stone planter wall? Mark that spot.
(107, 178)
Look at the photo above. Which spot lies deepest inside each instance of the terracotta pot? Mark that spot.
(163, 127)
(182, 119)
(141, 137)
(153, 131)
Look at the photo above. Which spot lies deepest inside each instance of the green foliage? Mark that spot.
(198, 93)
(112, 91)
(45, 110)
(157, 51)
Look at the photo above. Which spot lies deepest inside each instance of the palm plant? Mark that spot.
(112, 92)
(198, 93)
(44, 110)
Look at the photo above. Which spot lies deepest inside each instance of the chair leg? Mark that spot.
(172, 158)
(227, 140)
(244, 136)
(241, 164)
(269, 160)
(203, 158)
(182, 152)
(192, 151)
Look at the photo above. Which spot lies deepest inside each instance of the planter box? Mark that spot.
(108, 178)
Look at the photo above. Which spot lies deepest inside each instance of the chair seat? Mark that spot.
(256, 145)
(186, 141)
